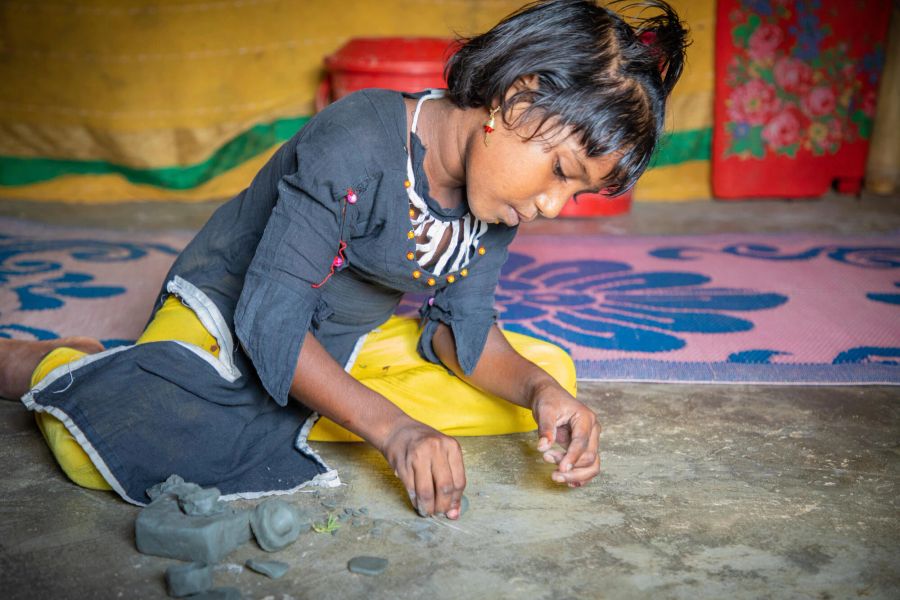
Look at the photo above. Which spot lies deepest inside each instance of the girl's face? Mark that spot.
(511, 180)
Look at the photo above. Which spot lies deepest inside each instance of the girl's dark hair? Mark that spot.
(606, 78)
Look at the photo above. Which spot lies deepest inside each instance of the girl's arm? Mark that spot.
(429, 463)
(503, 372)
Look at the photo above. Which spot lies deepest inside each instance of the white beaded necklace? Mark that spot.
(465, 233)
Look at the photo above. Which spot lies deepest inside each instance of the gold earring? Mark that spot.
(490, 123)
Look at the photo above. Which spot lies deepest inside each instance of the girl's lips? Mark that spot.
(524, 218)
(513, 217)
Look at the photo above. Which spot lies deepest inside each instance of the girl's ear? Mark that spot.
(526, 83)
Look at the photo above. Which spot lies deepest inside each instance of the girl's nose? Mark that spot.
(550, 205)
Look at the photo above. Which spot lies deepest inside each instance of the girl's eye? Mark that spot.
(557, 170)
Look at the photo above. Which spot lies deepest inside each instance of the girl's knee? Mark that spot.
(548, 356)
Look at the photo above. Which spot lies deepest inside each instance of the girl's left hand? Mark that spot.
(564, 420)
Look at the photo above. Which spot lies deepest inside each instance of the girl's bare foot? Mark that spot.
(19, 358)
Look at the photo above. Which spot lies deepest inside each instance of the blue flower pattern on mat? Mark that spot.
(9, 330)
(47, 294)
(18, 260)
(885, 297)
(755, 357)
(609, 305)
(869, 354)
(869, 257)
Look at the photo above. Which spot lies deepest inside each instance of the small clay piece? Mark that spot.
(174, 485)
(276, 524)
(364, 510)
(162, 529)
(185, 580)
(378, 527)
(463, 505)
(329, 504)
(347, 510)
(201, 502)
(367, 565)
(343, 517)
(425, 535)
(226, 593)
(270, 568)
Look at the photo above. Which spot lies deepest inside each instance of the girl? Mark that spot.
(280, 308)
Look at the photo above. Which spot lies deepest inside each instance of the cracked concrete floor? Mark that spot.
(708, 491)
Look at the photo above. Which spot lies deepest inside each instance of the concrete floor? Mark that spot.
(708, 491)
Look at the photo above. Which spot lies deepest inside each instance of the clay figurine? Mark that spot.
(367, 565)
(201, 502)
(189, 579)
(276, 524)
(162, 529)
(270, 568)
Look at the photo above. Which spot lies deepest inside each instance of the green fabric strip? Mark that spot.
(683, 146)
(675, 148)
(25, 171)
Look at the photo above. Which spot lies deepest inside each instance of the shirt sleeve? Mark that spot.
(467, 307)
(296, 251)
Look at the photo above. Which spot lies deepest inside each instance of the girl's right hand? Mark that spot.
(430, 465)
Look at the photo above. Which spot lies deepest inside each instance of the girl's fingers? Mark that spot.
(546, 430)
(424, 482)
(554, 456)
(583, 429)
(578, 476)
(444, 488)
(458, 473)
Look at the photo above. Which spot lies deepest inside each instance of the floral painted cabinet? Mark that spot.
(796, 82)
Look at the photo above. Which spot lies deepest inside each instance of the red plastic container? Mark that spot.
(597, 205)
(403, 64)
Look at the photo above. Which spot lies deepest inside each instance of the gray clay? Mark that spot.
(175, 486)
(463, 505)
(162, 529)
(185, 580)
(276, 524)
(329, 504)
(420, 525)
(201, 502)
(425, 535)
(367, 565)
(270, 568)
(364, 510)
(225, 593)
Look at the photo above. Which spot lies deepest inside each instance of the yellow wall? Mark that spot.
(166, 84)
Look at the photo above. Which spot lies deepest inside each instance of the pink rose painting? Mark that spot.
(792, 75)
(792, 85)
(754, 103)
(763, 42)
(782, 130)
(819, 102)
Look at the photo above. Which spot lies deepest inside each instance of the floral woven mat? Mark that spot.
(735, 308)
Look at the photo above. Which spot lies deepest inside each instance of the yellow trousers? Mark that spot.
(387, 363)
